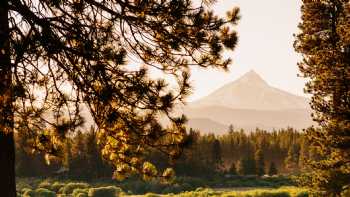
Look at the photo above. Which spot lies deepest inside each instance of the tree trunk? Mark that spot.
(7, 148)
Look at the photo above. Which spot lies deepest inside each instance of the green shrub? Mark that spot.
(80, 192)
(56, 186)
(40, 192)
(29, 193)
(303, 194)
(43, 192)
(137, 187)
(175, 188)
(199, 189)
(194, 182)
(82, 195)
(24, 190)
(110, 191)
(45, 184)
(346, 192)
(152, 195)
(63, 195)
(273, 194)
(21, 186)
(69, 188)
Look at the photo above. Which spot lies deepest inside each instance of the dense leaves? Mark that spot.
(324, 41)
(73, 58)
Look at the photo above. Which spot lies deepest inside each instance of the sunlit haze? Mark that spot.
(265, 45)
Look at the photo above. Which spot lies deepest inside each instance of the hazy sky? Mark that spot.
(265, 45)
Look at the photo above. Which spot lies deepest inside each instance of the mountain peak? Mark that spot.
(251, 77)
(252, 73)
(250, 91)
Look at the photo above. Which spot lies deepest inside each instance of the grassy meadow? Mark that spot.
(55, 188)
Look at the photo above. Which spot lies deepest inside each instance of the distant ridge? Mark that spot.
(251, 92)
(247, 103)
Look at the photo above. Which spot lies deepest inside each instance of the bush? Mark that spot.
(62, 195)
(137, 187)
(56, 186)
(346, 192)
(43, 192)
(273, 194)
(40, 192)
(70, 187)
(193, 182)
(82, 195)
(24, 190)
(152, 195)
(28, 193)
(110, 191)
(302, 194)
(45, 184)
(22, 186)
(175, 188)
(80, 192)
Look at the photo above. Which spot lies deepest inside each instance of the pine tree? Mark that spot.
(260, 162)
(303, 154)
(94, 162)
(216, 159)
(24, 162)
(240, 167)
(246, 166)
(324, 42)
(292, 160)
(74, 54)
(233, 169)
(67, 155)
(272, 169)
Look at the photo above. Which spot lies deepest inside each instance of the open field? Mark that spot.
(54, 188)
(237, 192)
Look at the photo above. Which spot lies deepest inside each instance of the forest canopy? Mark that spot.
(58, 55)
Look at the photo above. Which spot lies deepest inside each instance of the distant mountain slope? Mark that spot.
(205, 125)
(247, 118)
(252, 92)
(247, 103)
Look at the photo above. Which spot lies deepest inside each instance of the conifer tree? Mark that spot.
(303, 154)
(272, 169)
(25, 160)
(216, 159)
(233, 169)
(292, 160)
(260, 162)
(324, 42)
(94, 162)
(78, 153)
(58, 56)
(247, 166)
(67, 155)
(240, 167)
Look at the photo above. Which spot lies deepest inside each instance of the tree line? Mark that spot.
(237, 152)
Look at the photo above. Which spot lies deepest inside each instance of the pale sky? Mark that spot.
(265, 45)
